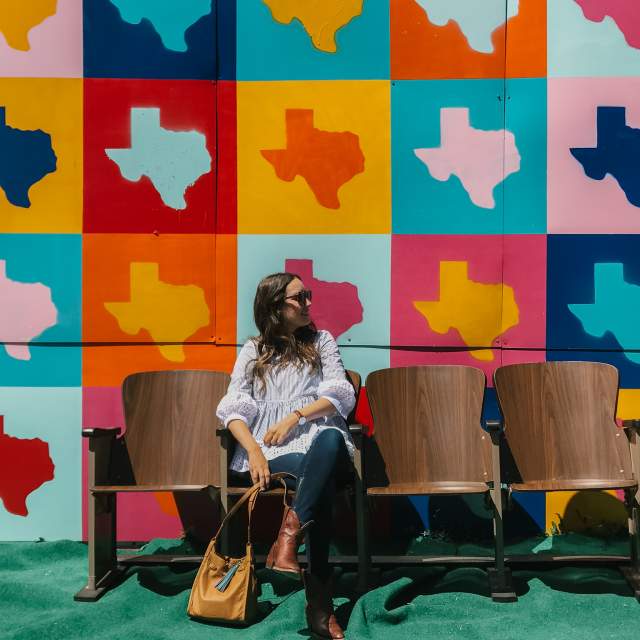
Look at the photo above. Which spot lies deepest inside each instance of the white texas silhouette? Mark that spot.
(481, 159)
(27, 310)
(477, 20)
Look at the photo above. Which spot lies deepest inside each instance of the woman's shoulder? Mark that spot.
(324, 338)
(248, 349)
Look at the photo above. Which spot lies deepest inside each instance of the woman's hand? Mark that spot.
(279, 431)
(259, 468)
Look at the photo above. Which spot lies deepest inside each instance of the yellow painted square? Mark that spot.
(268, 204)
(629, 404)
(585, 511)
(54, 106)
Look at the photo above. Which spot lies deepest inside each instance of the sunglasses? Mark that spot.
(301, 297)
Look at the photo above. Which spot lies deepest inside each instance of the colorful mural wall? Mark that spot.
(457, 182)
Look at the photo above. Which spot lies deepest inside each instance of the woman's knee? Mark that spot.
(330, 441)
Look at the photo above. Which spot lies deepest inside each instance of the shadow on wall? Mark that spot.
(597, 513)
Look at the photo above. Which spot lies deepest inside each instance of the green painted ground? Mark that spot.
(37, 582)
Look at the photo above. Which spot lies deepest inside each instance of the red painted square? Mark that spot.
(227, 212)
(113, 204)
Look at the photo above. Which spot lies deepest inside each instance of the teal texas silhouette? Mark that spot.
(170, 20)
(172, 160)
(615, 308)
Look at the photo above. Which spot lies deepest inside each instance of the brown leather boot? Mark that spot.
(283, 555)
(320, 615)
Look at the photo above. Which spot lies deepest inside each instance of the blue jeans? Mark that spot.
(316, 472)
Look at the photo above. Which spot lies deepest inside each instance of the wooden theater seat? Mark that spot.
(429, 440)
(559, 424)
(169, 445)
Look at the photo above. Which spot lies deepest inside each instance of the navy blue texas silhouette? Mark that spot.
(25, 158)
(617, 152)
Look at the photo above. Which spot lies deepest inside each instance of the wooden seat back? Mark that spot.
(427, 424)
(559, 422)
(171, 423)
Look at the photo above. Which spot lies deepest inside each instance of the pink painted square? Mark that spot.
(576, 202)
(48, 45)
(141, 516)
(473, 268)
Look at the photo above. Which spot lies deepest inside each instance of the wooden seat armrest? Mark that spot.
(358, 432)
(493, 426)
(495, 429)
(101, 433)
(631, 425)
(356, 429)
(223, 433)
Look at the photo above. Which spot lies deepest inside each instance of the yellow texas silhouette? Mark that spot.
(320, 18)
(472, 308)
(169, 312)
(18, 17)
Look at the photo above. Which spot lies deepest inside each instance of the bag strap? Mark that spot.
(251, 495)
(280, 477)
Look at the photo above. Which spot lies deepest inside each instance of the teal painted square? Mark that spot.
(54, 416)
(525, 192)
(578, 46)
(362, 260)
(270, 50)
(422, 204)
(56, 262)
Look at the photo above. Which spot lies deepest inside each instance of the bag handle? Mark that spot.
(279, 476)
(251, 495)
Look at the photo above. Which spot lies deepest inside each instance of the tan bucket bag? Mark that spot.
(226, 589)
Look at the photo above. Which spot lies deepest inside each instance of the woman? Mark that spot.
(286, 406)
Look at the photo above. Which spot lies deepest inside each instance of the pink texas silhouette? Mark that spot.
(336, 305)
(27, 311)
(480, 159)
(625, 13)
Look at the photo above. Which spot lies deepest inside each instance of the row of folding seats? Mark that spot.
(558, 424)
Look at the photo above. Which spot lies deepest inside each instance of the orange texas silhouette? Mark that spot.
(25, 465)
(325, 159)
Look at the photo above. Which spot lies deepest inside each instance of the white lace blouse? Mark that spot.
(287, 388)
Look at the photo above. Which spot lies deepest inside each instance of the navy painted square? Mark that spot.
(593, 301)
(150, 39)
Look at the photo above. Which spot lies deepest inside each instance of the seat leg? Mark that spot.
(500, 580)
(225, 505)
(632, 572)
(197, 512)
(363, 541)
(104, 571)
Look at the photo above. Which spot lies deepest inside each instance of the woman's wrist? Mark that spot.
(254, 448)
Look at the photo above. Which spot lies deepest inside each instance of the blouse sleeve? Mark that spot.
(238, 403)
(334, 386)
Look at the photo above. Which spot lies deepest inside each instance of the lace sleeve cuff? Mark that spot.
(237, 406)
(339, 393)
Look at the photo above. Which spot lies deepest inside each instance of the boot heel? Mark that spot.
(319, 611)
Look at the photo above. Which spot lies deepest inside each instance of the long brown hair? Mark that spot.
(274, 344)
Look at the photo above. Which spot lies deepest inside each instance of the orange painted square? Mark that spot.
(207, 261)
(226, 288)
(422, 50)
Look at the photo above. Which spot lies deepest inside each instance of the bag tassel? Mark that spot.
(226, 578)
